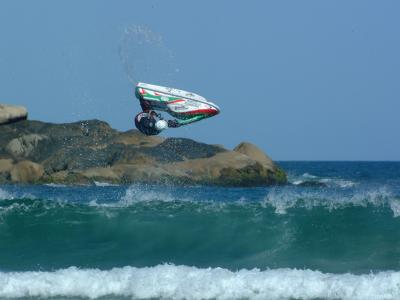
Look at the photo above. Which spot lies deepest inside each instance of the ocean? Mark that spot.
(333, 233)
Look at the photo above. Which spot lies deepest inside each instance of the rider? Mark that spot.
(148, 124)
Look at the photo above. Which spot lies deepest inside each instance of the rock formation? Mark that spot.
(12, 113)
(89, 151)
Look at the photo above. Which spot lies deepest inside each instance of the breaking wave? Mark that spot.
(183, 282)
(312, 180)
(280, 199)
(284, 199)
(4, 195)
(229, 228)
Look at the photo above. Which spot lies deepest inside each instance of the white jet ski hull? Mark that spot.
(179, 103)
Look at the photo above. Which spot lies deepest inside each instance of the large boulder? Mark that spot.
(26, 172)
(6, 166)
(25, 145)
(255, 153)
(228, 168)
(12, 113)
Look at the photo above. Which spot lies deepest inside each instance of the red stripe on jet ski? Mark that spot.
(201, 111)
(176, 101)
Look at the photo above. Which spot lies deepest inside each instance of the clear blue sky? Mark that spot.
(304, 80)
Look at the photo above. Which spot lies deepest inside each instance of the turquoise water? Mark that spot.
(332, 234)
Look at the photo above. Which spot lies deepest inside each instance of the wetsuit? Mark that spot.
(146, 123)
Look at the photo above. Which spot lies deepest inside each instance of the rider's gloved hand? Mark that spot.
(173, 124)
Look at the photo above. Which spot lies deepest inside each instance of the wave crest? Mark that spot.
(279, 199)
(312, 180)
(284, 199)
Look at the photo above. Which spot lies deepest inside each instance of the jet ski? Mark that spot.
(185, 107)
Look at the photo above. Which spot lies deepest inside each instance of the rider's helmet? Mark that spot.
(161, 125)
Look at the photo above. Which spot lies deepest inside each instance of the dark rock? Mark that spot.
(86, 151)
(180, 149)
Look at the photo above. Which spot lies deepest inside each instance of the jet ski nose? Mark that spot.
(215, 110)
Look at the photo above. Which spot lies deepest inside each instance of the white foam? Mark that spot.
(308, 175)
(181, 282)
(4, 195)
(395, 207)
(297, 182)
(346, 183)
(333, 182)
(22, 207)
(56, 185)
(329, 182)
(104, 184)
(286, 198)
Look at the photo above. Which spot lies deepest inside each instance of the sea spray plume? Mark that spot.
(145, 57)
(144, 193)
(182, 282)
(152, 195)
